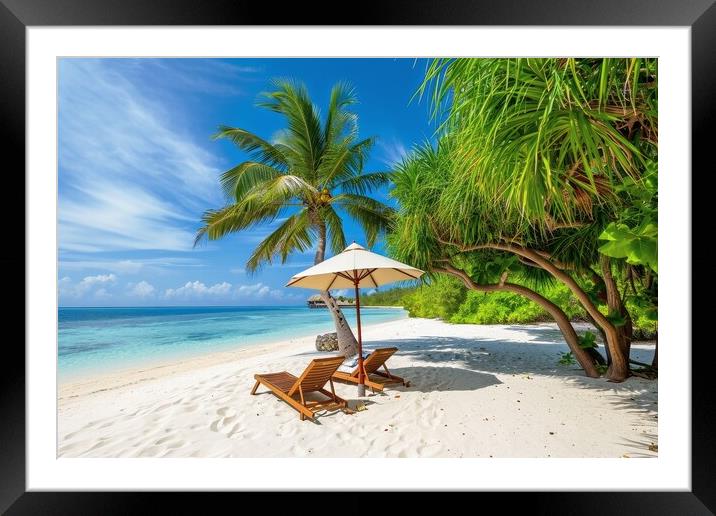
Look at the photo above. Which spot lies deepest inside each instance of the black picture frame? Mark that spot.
(16, 15)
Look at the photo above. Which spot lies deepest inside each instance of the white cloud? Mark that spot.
(259, 291)
(133, 266)
(89, 285)
(393, 151)
(130, 176)
(142, 289)
(208, 76)
(225, 291)
(255, 290)
(197, 289)
(297, 265)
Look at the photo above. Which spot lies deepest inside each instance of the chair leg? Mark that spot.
(303, 402)
(333, 390)
(253, 391)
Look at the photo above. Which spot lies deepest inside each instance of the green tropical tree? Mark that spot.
(548, 145)
(309, 178)
(422, 228)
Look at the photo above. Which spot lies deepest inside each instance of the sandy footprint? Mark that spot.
(163, 439)
(70, 435)
(226, 411)
(429, 450)
(227, 416)
(150, 451)
(236, 431)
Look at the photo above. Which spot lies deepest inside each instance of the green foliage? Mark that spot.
(440, 298)
(634, 235)
(509, 308)
(446, 298)
(616, 319)
(644, 316)
(392, 297)
(588, 340)
(545, 154)
(547, 139)
(567, 359)
(638, 245)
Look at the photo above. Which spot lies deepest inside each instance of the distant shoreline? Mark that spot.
(362, 306)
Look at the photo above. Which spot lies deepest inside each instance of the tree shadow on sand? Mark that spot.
(431, 379)
(479, 358)
(504, 356)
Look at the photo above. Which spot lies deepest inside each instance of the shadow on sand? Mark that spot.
(477, 360)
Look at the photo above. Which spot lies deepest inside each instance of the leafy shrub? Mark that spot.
(392, 297)
(447, 299)
(441, 298)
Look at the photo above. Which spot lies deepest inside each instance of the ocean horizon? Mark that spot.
(94, 340)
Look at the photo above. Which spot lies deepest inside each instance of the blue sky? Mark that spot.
(138, 167)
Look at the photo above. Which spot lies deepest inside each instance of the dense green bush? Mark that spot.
(447, 299)
(392, 297)
(441, 298)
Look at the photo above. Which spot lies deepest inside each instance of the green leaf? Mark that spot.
(616, 319)
(639, 246)
(588, 340)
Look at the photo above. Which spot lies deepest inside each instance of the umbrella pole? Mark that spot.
(361, 375)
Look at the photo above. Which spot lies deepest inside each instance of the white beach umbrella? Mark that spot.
(358, 268)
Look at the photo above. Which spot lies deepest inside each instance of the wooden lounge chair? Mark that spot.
(292, 389)
(373, 378)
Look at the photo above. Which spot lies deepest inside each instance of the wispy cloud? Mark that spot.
(132, 266)
(392, 151)
(131, 176)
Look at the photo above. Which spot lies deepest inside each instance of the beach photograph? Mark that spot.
(357, 257)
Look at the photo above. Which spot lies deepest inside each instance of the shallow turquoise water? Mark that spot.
(104, 339)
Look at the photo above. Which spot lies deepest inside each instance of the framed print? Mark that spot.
(419, 247)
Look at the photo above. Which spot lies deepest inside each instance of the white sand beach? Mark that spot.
(476, 391)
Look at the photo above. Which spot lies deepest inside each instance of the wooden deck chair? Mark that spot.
(292, 389)
(374, 378)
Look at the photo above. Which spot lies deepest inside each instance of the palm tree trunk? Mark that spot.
(347, 343)
(585, 359)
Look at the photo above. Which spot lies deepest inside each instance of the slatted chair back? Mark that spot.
(317, 374)
(377, 358)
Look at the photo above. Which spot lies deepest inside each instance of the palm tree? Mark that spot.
(308, 179)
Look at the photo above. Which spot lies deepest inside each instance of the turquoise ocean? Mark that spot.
(101, 340)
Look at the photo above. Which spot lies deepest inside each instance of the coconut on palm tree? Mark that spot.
(309, 178)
